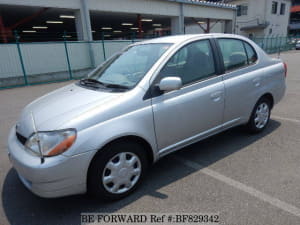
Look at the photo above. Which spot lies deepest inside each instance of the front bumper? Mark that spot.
(58, 176)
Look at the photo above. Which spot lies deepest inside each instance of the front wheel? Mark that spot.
(117, 170)
(260, 116)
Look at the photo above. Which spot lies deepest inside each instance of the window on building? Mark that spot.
(274, 7)
(282, 9)
(242, 10)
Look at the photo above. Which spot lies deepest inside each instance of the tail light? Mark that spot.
(285, 69)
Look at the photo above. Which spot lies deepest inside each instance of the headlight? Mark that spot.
(51, 142)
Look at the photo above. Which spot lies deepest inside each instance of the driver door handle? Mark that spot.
(216, 96)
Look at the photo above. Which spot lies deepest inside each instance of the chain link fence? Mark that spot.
(44, 62)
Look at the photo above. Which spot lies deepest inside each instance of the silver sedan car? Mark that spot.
(102, 133)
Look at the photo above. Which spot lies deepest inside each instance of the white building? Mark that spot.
(261, 18)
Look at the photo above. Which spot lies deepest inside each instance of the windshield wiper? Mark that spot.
(95, 83)
(91, 82)
(116, 86)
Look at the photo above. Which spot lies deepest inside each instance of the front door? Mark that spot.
(196, 110)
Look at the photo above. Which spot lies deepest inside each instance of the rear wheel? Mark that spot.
(260, 116)
(117, 170)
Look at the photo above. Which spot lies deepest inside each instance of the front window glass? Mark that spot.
(191, 63)
(127, 68)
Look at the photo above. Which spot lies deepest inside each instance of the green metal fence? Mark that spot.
(274, 44)
(25, 63)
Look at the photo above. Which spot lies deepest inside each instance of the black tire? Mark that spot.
(95, 183)
(252, 125)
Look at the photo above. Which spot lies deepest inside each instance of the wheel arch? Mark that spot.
(270, 97)
(132, 138)
(137, 139)
(267, 95)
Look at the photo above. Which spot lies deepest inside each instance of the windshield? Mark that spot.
(127, 68)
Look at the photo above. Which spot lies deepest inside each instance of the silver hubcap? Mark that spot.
(121, 172)
(261, 115)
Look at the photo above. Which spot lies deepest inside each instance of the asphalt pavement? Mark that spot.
(246, 179)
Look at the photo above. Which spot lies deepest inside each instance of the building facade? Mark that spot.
(260, 18)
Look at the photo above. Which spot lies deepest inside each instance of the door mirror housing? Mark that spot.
(170, 84)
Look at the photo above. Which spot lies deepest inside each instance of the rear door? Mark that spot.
(242, 79)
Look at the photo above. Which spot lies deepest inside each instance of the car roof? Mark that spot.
(176, 39)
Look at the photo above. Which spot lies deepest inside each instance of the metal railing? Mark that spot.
(274, 44)
(25, 63)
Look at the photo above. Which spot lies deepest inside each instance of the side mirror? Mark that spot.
(170, 83)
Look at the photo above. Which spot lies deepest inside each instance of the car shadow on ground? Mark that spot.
(22, 207)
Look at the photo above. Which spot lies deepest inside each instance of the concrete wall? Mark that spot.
(195, 29)
(153, 7)
(208, 12)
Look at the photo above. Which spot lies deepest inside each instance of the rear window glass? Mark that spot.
(236, 53)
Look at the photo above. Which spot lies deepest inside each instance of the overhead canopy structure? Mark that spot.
(92, 19)
(258, 26)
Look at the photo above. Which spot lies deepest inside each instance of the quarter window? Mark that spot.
(251, 54)
(191, 63)
(236, 53)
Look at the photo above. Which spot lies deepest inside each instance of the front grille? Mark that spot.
(21, 138)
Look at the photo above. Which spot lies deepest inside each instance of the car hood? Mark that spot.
(54, 110)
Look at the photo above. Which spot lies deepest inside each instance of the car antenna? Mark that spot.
(38, 138)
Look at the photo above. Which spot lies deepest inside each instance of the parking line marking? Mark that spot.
(287, 119)
(238, 185)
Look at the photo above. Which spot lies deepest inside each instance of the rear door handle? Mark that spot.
(216, 96)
